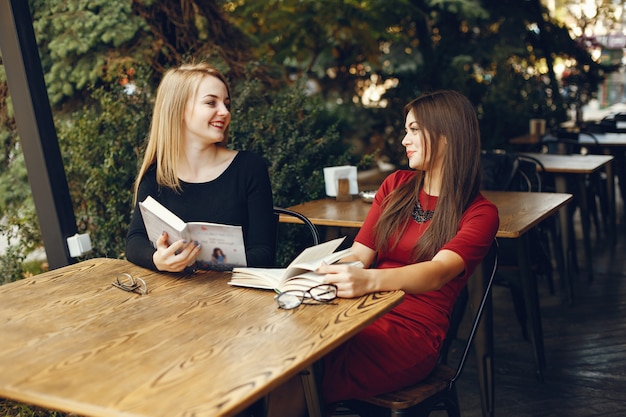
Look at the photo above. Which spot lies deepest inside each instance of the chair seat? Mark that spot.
(437, 381)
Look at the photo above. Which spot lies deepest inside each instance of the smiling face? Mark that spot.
(417, 144)
(207, 112)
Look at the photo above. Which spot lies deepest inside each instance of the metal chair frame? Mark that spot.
(312, 228)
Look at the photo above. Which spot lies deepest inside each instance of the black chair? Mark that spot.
(528, 177)
(315, 235)
(438, 390)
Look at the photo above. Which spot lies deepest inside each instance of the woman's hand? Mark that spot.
(351, 281)
(175, 257)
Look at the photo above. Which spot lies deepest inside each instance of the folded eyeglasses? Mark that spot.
(129, 283)
(323, 293)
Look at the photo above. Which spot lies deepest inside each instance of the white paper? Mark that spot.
(333, 174)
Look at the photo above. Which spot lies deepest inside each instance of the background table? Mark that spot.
(192, 346)
(578, 166)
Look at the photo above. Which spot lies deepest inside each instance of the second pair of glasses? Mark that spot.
(129, 283)
(323, 293)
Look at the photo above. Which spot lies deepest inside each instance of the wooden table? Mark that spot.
(519, 212)
(578, 166)
(193, 346)
(604, 139)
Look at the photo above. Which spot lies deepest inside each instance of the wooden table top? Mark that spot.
(571, 164)
(518, 211)
(521, 211)
(605, 139)
(330, 212)
(193, 346)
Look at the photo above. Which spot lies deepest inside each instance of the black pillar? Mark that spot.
(36, 128)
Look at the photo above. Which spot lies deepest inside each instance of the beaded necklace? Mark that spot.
(420, 215)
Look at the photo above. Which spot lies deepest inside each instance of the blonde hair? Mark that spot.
(449, 115)
(166, 128)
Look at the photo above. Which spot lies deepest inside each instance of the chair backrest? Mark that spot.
(492, 260)
(567, 143)
(502, 171)
(528, 175)
(497, 170)
(309, 225)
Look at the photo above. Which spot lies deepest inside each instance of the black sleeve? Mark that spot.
(139, 249)
(260, 236)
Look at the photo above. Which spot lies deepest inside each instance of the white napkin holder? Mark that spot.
(333, 174)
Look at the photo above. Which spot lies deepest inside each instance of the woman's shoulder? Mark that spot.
(481, 201)
(481, 207)
(248, 157)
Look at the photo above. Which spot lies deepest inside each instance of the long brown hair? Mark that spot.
(442, 114)
(166, 128)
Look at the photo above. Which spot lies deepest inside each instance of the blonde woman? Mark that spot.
(188, 168)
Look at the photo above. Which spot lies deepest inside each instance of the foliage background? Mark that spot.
(315, 83)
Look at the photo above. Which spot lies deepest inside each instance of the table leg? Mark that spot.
(610, 188)
(483, 340)
(567, 241)
(531, 301)
(586, 224)
(619, 167)
(311, 392)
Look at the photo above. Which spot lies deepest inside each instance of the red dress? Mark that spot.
(402, 347)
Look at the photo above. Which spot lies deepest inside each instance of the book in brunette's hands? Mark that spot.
(299, 275)
(221, 245)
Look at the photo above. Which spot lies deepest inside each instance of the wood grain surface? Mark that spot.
(330, 212)
(193, 346)
(521, 211)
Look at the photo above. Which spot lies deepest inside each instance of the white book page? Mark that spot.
(308, 257)
(316, 263)
(268, 278)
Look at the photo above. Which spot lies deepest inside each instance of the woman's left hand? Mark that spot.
(351, 281)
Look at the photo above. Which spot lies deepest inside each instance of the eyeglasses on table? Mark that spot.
(319, 294)
(129, 283)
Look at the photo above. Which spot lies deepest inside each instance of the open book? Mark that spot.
(222, 246)
(299, 275)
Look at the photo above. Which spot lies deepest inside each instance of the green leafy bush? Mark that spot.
(297, 137)
(101, 147)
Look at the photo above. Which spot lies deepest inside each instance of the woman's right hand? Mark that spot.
(175, 257)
